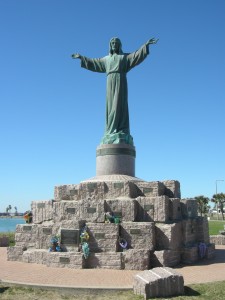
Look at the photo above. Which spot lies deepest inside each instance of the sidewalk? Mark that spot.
(40, 275)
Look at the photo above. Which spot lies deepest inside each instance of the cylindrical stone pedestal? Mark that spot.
(115, 159)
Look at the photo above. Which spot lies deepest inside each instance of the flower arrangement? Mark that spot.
(55, 245)
(28, 216)
(84, 237)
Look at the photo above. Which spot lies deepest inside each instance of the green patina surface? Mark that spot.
(116, 151)
(116, 65)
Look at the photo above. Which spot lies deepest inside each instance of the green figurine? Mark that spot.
(116, 65)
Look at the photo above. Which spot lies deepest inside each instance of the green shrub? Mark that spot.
(11, 236)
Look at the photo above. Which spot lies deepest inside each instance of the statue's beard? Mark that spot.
(115, 51)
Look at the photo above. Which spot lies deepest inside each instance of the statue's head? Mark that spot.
(115, 46)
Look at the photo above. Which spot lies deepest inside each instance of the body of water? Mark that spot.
(9, 224)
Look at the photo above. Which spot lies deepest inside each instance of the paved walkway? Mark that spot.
(40, 275)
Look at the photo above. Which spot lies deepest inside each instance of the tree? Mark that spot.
(202, 204)
(16, 211)
(219, 200)
(8, 209)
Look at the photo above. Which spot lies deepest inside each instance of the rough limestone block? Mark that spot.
(92, 210)
(202, 230)
(189, 208)
(172, 188)
(35, 256)
(103, 237)
(150, 189)
(189, 230)
(189, 255)
(126, 209)
(153, 209)
(66, 210)
(92, 190)
(158, 282)
(104, 260)
(139, 235)
(26, 235)
(86, 210)
(210, 251)
(42, 211)
(67, 192)
(136, 259)
(15, 253)
(84, 190)
(166, 258)
(116, 189)
(71, 224)
(175, 209)
(217, 239)
(64, 260)
(168, 236)
(45, 232)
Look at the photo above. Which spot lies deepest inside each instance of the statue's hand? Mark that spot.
(152, 41)
(76, 55)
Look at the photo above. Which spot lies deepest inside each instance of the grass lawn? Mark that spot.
(209, 291)
(215, 227)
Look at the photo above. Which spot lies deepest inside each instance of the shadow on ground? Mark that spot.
(3, 289)
(190, 292)
(218, 259)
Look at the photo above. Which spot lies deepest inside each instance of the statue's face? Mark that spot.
(115, 45)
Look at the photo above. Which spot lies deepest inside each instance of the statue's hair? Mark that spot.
(120, 46)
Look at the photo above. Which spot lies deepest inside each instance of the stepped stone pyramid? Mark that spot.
(158, 227)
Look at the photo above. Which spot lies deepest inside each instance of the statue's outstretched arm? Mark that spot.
(151, 41)
(76, 55)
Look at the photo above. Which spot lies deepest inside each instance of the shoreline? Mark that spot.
(11, 217)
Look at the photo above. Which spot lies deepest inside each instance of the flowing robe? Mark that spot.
(116, 66)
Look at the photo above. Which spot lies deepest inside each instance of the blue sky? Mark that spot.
(53, 111)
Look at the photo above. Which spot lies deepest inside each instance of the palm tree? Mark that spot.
(202, 204)
(219, 200)
(16, 211)
(9, 207)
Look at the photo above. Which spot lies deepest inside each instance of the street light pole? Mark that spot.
(216, 183)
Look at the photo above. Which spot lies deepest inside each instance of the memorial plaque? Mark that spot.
(64, 260)
(147, 190)
(70, 237)
(148, 207)
(47, 230)
(91, 210)
(118, 185)
(27, 228)
(99, 235)
(41, 205)
(70, 210)
(73, 192)
(91, 187)
(135, 231)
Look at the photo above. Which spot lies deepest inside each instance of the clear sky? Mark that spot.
(53, 111)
